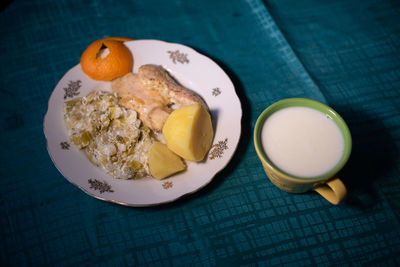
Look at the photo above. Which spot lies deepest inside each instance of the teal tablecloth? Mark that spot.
(343, 53)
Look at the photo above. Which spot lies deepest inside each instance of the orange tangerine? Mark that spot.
(107, 59)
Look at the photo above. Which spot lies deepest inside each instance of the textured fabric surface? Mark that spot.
(343, 53)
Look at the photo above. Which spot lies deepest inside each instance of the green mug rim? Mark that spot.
(310, 103)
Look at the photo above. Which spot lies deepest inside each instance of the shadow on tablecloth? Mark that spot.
(373, 157)
(4, 4)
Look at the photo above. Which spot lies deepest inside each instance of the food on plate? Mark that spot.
(188, 132)
(163, 162)
(111, 136)
(152, 92)
(120, 131)
(107, 59)
(152, 107)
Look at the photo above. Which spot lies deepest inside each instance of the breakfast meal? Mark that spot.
(147, 126)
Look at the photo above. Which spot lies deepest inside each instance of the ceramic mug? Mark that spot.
(326, 184)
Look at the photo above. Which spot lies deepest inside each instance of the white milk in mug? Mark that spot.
(302, 141)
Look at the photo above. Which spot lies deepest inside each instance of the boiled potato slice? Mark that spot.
(188, 132)
(163, 162)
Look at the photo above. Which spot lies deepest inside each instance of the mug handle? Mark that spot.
(334, 190)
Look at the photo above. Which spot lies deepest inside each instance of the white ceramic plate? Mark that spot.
(192, 70)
